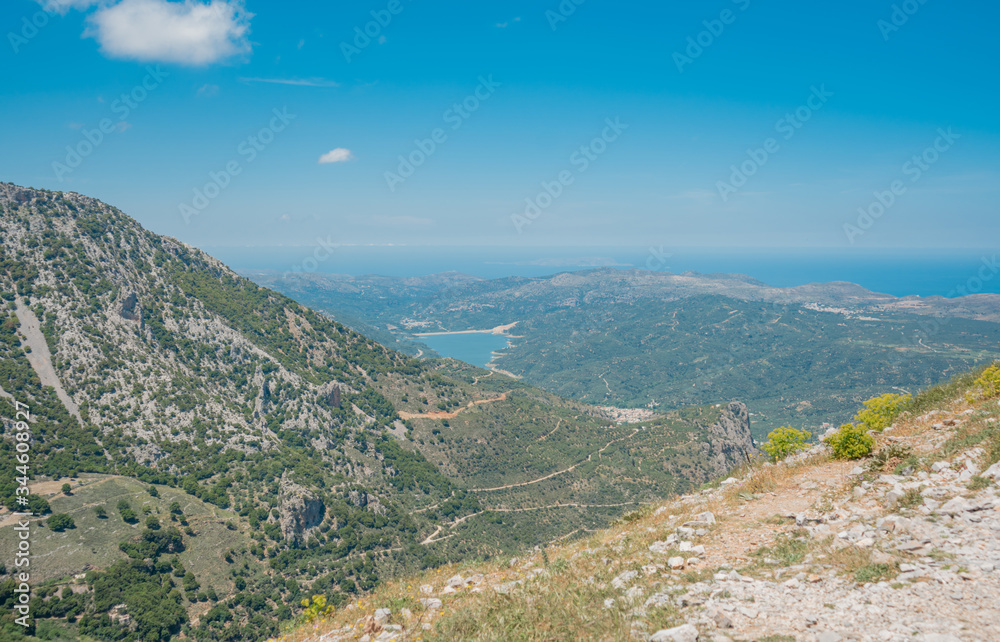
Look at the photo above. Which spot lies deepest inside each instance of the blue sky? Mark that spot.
(268, 89)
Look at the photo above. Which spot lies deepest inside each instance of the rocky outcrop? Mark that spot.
(730, 443)
(333, 397)
(130, 309)
(299, 509)
(361, 499)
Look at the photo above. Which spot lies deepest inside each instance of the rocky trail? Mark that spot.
(443, 414)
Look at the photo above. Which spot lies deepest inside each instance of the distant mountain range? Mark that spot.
(800, 355)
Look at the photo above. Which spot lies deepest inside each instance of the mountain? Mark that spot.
(204, 451)
(797, 356)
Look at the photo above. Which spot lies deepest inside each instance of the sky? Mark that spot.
(724, 123)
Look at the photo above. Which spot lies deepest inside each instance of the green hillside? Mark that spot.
(638, 339)
(300, 454)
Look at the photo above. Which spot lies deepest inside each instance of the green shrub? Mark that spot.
(60, 522)
(785, 441)
(315, 609)
(986, 386)
(879, 412)
(851, 442)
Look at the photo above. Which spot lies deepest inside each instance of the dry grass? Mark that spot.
(567, 599)
(764, 477)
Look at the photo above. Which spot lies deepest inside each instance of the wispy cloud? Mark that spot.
(298, 82)
(187, 33)
(208, 90)
(503, 25)
(63, 6)
(338, 155)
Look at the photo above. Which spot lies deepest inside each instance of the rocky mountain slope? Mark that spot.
(243, 449)
(903, 544)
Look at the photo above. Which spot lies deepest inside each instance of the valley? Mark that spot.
(637, 339)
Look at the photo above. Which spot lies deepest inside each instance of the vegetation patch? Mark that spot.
(785, 441)
(851, 442)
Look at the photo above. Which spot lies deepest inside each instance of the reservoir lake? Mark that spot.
(474, 347)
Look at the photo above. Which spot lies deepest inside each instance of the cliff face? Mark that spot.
(730, 442)
(300, 510)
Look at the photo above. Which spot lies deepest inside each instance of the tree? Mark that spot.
(66, 489)
(101, 513)
(60, 522)
(38, 505)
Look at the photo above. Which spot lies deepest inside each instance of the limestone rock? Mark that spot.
(683, 633)
(300, 510)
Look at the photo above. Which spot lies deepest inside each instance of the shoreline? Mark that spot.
(499, 330)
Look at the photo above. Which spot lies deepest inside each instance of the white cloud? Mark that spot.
(338, 155)
(299, 82)
(62, 6)
(187, 33)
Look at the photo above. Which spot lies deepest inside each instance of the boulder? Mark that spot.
(623, 579)
(683, 633)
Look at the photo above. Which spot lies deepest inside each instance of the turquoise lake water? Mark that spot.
(471, 348)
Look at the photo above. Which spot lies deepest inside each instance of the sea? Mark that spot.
(899, 272)
(947, 273)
